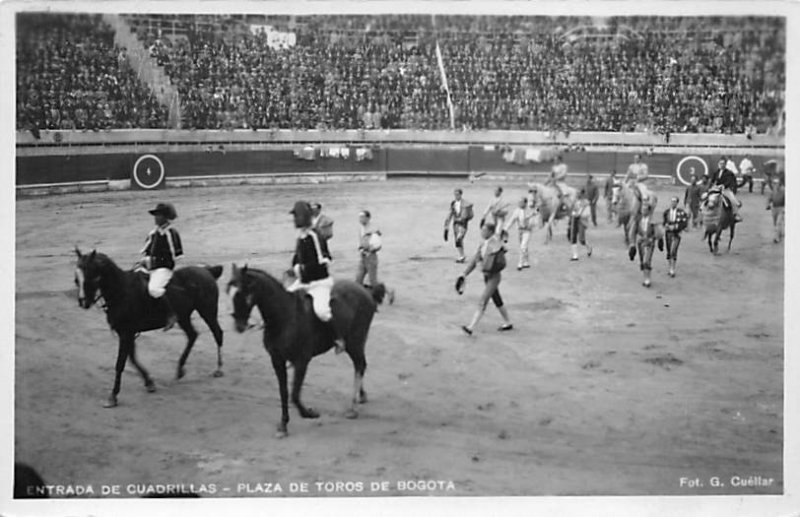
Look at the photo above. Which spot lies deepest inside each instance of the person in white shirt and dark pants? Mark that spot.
(746, 170)
(523, 217)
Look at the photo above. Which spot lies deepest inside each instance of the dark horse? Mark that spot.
(717, 216)
(130, 309)
(293, 333)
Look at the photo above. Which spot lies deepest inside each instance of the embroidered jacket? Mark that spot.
(311, 253)
(163, 246)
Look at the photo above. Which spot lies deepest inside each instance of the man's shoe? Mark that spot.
(507, 326)
(466, 330)
(461, 260)
(589, 253)
(573, 259)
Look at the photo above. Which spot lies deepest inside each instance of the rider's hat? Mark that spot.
(165, 209)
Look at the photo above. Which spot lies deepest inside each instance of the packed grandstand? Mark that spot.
(645, 74)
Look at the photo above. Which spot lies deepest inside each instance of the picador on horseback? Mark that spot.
(310, 265)
(636, 177)
(558, 178)
(726, 179)
(160, 252)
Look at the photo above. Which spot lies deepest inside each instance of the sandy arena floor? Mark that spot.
(604, 387)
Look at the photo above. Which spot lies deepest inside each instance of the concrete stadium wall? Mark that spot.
(52, 169)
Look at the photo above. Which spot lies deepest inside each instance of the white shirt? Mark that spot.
(457, 206)
(745, 166)
(673, 214)
(731, 166)
(523, 217)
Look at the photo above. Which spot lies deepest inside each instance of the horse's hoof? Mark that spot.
(309, 413)
(112, 402)
(351, 414)
(217, 373)
(181, 373)
(281, 434)
(363, 399)
(151, 388)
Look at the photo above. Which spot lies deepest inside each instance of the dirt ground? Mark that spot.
(604, 387)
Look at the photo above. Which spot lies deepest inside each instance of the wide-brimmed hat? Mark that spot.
(165, 209)
(301, 207)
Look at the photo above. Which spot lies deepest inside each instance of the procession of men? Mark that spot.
(665, 232)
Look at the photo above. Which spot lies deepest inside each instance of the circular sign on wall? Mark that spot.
(686, 167)
(148, 172)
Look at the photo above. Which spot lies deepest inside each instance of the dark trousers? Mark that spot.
(673, 241)
(747, 180)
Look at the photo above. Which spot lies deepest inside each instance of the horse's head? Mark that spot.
(712, 197)
(615, 193)
(240, 289)
(88, 274)
(649, 203)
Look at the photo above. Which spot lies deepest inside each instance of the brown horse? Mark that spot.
(130, 309)
(717, 217)
(293, 333)
(546, 200)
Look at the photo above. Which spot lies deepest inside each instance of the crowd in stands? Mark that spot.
(71, 75)
(656, 74)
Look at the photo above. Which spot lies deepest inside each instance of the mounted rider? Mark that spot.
(161, 251)
(726, 179)
(310, 265)
(636, 177)
(558, 178)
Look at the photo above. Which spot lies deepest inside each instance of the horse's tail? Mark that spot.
(216, 271)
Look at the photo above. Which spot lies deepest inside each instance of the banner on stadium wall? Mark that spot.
(275, 39)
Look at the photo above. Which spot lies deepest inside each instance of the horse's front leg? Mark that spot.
(123, 351)
(300, 369)
(549, 233)
(360, 366)
(148, 382)
(279, 365)
(730, 241)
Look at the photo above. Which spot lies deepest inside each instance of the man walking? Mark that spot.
(746, 169)
(497, 208)
(608, 192)
(460, 214)
(592, 194)
(777, 203)
(491, 258)
(523, 217)
(579, 220)
(675, 221)
(691, 199)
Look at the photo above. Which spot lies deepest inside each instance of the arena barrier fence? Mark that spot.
(77, 166)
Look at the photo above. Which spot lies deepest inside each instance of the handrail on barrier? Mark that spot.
(400, 136)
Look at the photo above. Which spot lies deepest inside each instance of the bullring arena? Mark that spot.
(604, 387)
